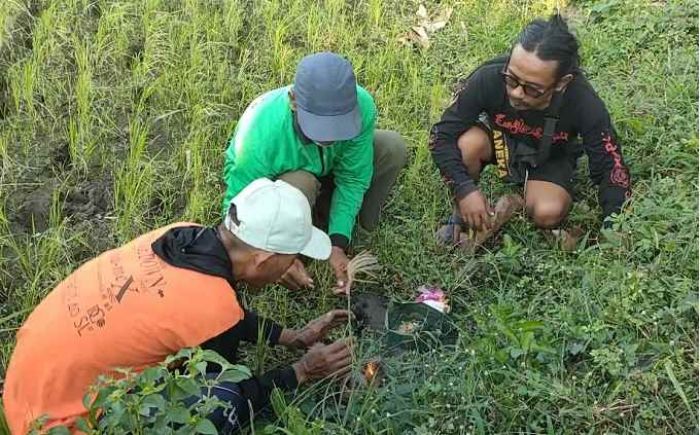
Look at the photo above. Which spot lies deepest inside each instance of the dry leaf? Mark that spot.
(420, 34)
(440, 21)
(422, 12)
(445, 14)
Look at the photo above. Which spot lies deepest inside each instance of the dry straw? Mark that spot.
(364, 264)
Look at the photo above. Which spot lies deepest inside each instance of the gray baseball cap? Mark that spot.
(325, 91)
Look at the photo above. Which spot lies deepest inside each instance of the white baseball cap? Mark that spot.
(276, 217)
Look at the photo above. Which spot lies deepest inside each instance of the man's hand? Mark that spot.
(322, 361)
(339, 262)
(296, 277)
(315, 331)
(476, 211)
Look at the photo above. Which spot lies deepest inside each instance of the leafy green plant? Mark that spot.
(161, 399)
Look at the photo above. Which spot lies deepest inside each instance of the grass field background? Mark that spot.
(114, 116)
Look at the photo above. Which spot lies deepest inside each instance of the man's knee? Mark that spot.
(547, 213)
(390, 149)
(475, 147)
(304, 181)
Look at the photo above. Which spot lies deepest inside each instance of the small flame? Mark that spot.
(371, 370)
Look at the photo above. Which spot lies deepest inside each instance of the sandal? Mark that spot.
(449, 234)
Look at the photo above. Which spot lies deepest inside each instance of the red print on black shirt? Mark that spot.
(518, 126)
(619, 175)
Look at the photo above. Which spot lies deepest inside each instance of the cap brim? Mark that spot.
(319, 247)
(330, 128)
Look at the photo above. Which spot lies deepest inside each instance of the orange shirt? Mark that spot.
(125, 308)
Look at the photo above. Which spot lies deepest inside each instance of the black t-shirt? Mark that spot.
(582, 115)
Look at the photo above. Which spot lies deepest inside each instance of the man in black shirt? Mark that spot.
(531, 113)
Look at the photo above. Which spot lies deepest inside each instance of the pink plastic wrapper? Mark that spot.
(433, 297)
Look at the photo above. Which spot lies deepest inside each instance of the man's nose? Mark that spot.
(517, 92)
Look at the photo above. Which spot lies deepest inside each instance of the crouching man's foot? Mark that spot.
(566, 240)
(448, 235)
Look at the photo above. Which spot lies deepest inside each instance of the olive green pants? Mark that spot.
(390, 156)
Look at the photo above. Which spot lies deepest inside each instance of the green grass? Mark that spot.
(114, 116)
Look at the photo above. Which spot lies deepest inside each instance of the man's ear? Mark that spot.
(292, 101)
(261, 257)
(564, 82)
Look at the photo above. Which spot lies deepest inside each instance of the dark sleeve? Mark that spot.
(461, 115)
(339, 240)
(253, 325)
(226, 343)
(607, 167)
(250, 396)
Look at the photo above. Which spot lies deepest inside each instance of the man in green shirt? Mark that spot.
(319, 135)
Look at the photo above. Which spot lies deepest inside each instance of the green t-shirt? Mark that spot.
(266, 144)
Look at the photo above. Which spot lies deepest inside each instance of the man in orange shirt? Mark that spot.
(166, 290)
